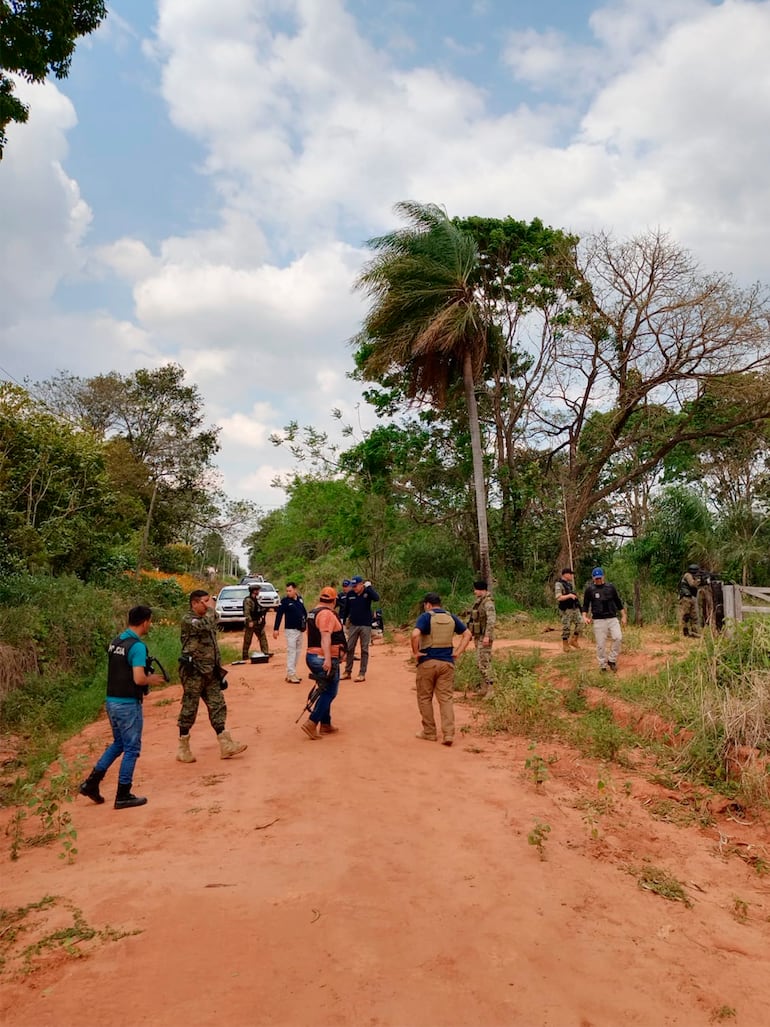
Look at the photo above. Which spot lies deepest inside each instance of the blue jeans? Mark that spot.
(330, 683)
(126, 721)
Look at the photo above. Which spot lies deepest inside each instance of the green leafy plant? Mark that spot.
(46, 802)
(538, 837)
(661, 882)
(537, 766)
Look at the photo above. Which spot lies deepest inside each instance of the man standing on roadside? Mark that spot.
(432, 642)
(254, 617)
(202, 677)
(127, 684)
(601, 604)
(359, 621)
(325, 646)
(688, 601)
(570, 610)
(292, 611)
(482, 626)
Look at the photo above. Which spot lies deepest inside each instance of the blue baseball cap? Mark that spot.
(356, 580)
(345, 582)
(597, 572)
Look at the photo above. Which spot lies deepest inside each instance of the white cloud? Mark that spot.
(311, 135)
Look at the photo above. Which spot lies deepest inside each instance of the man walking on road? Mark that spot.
(292, 611)
(601, 604)
(127, 684)
(432, 641)
(482, 626)
(202, 678)
(325, 646)
(254, 617)
(359, 620)
(569, 610)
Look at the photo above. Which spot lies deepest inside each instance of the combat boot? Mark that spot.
(125, 800)
(184, 753)
(228, 746)
(565, 645)
(575, 642)
(90, 787)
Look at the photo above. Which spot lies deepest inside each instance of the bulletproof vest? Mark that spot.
(686, 590)
(120, 673)
(442, 631)
(567, 604)
(314, 632)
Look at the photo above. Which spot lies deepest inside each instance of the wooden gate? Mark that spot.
(741, 600)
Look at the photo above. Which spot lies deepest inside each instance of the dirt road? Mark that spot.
(373, 879)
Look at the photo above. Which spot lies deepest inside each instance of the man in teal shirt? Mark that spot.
(127, 684)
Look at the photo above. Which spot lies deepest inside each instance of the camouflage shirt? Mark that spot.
(199, 640)
(483, 617)
(254, 612)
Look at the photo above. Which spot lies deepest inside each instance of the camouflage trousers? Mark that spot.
(199, 686)
(248, 634)
(484, 661)
(571, 623)
(688, 616)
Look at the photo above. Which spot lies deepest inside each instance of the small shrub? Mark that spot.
(655, 879)
(538, 836)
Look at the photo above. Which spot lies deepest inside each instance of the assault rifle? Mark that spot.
(154, 665)
(312, 695)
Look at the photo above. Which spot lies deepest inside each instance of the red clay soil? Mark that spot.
(373, 879)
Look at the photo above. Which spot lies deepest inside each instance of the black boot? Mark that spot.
(124, 799)
(90, 787)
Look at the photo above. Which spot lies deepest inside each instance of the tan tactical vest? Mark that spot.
(442, 630)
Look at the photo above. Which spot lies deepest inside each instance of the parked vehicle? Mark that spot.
(247, 580)
(268, 595)
(230, 603)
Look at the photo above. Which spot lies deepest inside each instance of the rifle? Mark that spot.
(312, 695)
(153, 664)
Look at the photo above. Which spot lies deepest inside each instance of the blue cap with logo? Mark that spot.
(597, 572)
(346, 582)
(356, 580)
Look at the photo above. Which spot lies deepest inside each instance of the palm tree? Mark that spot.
(426, 320)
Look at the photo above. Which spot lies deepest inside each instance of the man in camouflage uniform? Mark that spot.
(481, 622)
(202, 678)
(688, 601)
(570, 610)
(254, 617)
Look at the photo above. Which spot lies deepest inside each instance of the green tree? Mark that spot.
(426, 320)
(160, 423)
(58, 509)
(37, 39)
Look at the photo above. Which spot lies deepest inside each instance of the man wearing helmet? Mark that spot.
(688, 602)
(254, 617)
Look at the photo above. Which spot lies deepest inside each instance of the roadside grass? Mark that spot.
(715, 697)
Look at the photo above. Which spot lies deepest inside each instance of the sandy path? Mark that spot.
(394, 886)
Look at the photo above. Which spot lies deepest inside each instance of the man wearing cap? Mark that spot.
(481, 625)
(688, 601)
(569, 610)
(601, 604)
(325, 645)
(254, 617)
(359, 621)
(432, 645)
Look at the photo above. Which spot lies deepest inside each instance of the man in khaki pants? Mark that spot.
(432, 641)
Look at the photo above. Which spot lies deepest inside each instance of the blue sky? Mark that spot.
(200, 188)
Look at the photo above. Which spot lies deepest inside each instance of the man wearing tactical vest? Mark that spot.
(688, 602)
(570, 610)
(127, 684)
(254, 617)
(432, 641)
(482, 626)
(325, 646)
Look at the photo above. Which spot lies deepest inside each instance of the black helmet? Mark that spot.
(693, 568)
